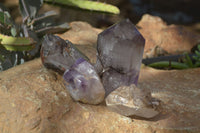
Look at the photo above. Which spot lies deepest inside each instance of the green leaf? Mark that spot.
(167, 64)
(198, 47)
(13, 31)
(29, 8)
(52, 29)
(5, 18)
(2, 17)
(17, 43)
(188, 61)
(45, 15)
(89, 5)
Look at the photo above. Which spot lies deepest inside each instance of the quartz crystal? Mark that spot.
(58, 54)
(112, 79)
(83, 83)
(120, 50)
(121, 47)
(132, 101)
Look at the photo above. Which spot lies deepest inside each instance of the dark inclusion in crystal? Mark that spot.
(120, 50)
(83, 83)
(58, 54)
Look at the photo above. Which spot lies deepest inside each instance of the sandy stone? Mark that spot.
(31, 99)
(81, 33)
(170, 39)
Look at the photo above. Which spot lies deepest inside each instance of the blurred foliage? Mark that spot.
(88, 5)
(188, 62)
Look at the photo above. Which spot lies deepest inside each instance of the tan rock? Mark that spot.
(171, 39)
(81, 33)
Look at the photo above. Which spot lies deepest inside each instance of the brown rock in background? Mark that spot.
(34, 100)
(81, 33)
(171, 39)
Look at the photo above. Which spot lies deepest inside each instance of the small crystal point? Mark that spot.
(131, 101)
(83, 83)
(58, 54)
(121, 47)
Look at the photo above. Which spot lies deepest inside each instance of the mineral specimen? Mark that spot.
(120, 50)
(58, 54)
(121, 47)
(132, 101)
(83, 83)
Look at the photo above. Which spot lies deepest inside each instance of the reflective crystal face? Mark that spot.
(130, 100)
(83, 83)
(112, 79)
(58, 54)
(121, 47)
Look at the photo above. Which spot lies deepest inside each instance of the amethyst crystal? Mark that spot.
(120, 50)
(112, 79)
(58, 54)
(83, 83)
(121, 47)
(132, 101)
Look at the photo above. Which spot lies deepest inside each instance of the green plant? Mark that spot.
(88, 5)
(188, 62)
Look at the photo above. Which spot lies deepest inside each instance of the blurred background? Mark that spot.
(184, 12)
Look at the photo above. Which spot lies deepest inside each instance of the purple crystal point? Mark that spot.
(83, 83)
(58, 54)
(120, 50)
(121, 47)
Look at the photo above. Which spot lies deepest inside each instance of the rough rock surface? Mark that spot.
(171, 39)
(33, 100)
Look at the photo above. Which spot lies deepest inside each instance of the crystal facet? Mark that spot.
(112, 79)
(132, 101)
(121, 47)
(83, 83)
(58, 54)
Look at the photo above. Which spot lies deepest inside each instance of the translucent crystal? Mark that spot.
(83, 83)
(120, 51)
(132, 101)
(58, 54)
(121, 47)
(112, 79)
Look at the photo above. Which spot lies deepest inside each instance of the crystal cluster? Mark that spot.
(120, 50)
(119, 56)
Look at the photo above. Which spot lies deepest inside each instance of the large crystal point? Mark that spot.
(58, 54)
(132, 101)
(121, 47)
(112, 79)
(83, 83)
